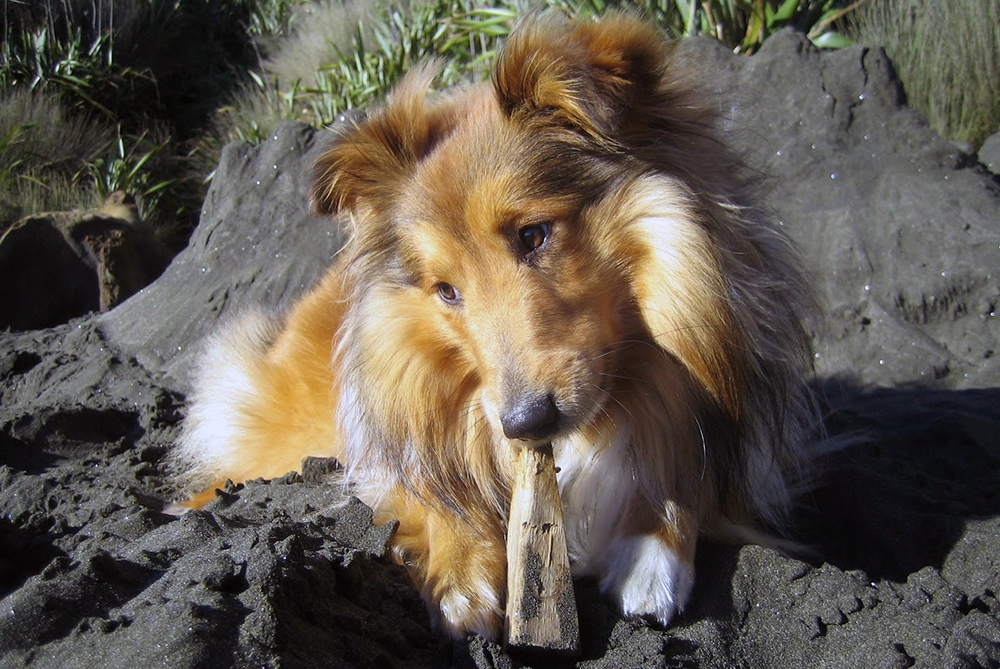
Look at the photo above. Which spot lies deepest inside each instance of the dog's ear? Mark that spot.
(585, 76)
(372, 155)
(680, 289)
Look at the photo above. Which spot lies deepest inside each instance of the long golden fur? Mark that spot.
(569, 254)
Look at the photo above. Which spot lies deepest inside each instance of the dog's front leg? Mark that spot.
(466, 579)
(460, 565)
(649, 567)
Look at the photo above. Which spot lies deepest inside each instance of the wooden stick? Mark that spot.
(541, 607)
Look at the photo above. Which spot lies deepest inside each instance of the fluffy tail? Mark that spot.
(220, 406)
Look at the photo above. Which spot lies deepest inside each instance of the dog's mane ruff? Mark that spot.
(766, 297)
(416, 424)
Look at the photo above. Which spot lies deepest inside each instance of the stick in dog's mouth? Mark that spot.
(541, 606)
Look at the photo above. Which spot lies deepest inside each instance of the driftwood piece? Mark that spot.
(541, 607)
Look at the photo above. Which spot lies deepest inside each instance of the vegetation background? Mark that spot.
(140, 95)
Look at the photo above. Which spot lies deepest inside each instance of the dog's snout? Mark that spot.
(533, 417)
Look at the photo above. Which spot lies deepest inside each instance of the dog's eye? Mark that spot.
(448, 293)
(533, 236)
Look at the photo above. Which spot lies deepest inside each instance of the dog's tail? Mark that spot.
(225, 386)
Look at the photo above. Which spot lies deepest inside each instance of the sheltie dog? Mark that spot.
(567, 254)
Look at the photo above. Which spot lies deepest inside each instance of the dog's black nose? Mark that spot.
(531, 418)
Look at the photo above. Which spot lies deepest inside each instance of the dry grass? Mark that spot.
(947, 55)
(44, 151)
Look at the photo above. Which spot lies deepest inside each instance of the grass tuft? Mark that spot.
(345, 54)
(42, 148)
(119, 93)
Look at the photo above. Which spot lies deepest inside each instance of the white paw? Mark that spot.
(479, 611)
(647, 578)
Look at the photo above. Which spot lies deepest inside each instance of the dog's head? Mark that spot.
(508, 241)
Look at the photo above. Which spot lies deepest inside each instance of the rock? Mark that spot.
(904, 525)
(257, 245)
(989, 153)
(62, 265)
(898, 227)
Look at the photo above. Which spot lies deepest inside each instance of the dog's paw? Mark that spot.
(648, 579)
(468, 606)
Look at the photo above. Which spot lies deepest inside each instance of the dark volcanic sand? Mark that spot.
(902, 234)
